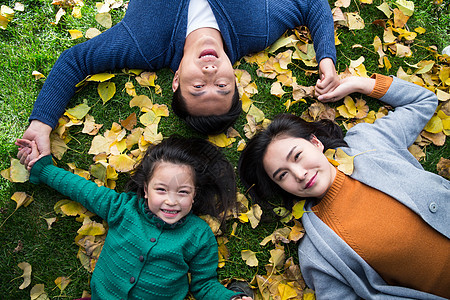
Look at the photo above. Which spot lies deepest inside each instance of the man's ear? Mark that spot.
(316, 142)
(175, 82)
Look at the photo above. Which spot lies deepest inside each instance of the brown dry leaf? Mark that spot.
(16, 172)
(19, 247)
(443, 167)
(213, 223)
(249, 257)
(122, 162)
(279, 235)
(297, 232)
(26, 267)
(400, 18)
(129, 122)
(437, 139)
(416, 151)
(22, 198)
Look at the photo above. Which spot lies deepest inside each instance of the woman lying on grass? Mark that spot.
(380, 233)
(155, 238)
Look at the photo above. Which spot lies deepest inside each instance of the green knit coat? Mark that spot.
(143, 257)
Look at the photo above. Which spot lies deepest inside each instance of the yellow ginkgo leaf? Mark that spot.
(26, 267)
(76, 12)
(90, 127)
(72, 208)
(37, 292)
(21, 198)
(16, 172)
(254, 215)
(99, 145)
(297, 231)
(434, 125)
(221, 140)
(277, 257)
(286, 292)
(50, 222)
(101, 77)
(91, 228)
(277, 89)
(37, 75)
(406, 7)
(143, 102)
(345, 161)
(355, 21)
(122, 162)
(147, 79)
(57, 145)
(92, 33)
(243, 218)
(62, 282)
(160, 110)
(246, 102)
(104, 19)
(78, 111)
(400, 18)
(106, 90)
(256, 112)
(420, 30)
(249, 257)
(75, 34)
(297, 209)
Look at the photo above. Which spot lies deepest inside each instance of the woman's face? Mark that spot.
(299, 166)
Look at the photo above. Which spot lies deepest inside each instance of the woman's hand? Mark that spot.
(347, 86)
(329, 79)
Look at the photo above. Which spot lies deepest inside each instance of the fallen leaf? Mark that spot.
(249, 257)
(75, 34)
(92, 33)
(37, 292)
(21, 198)
(104, 19)
(122, 162)
(26, 267)
(62, 282)
(16, 172)
(106, 90)
(37, 75)
(443, 167)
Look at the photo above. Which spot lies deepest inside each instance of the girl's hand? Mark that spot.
(347, 86)
(39, 133)
(29, 152)
(329, 79)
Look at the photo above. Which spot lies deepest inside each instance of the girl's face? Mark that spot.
(170, 191)
(299, 166)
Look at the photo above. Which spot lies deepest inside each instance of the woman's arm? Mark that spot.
(414, 106)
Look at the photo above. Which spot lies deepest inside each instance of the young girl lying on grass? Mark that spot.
(155, 238)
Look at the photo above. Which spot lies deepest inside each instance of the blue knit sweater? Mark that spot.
(143, 257)
(152, 34)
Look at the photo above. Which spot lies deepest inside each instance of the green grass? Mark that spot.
(31, 43)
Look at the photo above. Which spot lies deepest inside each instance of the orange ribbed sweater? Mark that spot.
(391, 238)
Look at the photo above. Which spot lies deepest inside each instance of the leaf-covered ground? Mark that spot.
(49, 244)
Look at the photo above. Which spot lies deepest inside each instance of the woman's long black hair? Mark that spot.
(214, 180)
(251, 168)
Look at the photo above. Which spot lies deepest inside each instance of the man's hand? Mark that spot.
(328, 78)
(39, 133)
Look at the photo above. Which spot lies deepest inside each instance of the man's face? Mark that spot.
(206, 78)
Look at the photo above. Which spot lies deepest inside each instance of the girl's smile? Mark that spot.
(170, 191)
(299, 166)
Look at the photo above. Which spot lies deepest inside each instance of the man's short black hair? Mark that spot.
(212, 124)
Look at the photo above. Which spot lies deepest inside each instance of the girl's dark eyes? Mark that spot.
(297, 156)
(282, 175)
(160, 189)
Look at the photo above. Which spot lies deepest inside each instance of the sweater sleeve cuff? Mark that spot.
(382, 84)
(37, 168)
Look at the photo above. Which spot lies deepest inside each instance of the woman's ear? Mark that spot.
(316, 142)
(145, 191)
(175, 82)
